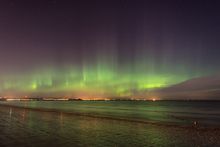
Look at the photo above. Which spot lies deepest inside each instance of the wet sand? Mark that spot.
(43, 127)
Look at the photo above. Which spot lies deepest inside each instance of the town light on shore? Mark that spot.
(153, 99)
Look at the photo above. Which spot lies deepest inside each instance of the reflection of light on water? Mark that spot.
(23, 115)
(61, 119)
(10, 112)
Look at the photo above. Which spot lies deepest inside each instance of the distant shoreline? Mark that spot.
(109, 99)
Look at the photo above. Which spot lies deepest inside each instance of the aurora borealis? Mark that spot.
(117, 48)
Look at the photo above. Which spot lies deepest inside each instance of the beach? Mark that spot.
(48, 124)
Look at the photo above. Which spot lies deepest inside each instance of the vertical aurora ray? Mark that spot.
(105, 49)
(102, 79)
(106, 70)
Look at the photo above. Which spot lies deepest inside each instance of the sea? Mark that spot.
(109, 123)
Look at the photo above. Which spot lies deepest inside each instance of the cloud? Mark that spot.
(197, 88)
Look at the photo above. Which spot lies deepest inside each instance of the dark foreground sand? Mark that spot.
(43, 127)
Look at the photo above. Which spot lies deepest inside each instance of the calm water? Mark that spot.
(177, 112)
(61, 127)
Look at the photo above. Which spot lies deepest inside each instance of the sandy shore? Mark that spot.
(194, 135)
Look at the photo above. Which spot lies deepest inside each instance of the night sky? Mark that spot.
(110, 48)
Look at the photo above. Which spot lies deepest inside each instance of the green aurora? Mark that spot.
(105, 48)
(100, 80)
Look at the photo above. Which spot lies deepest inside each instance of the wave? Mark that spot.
(117, 118)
